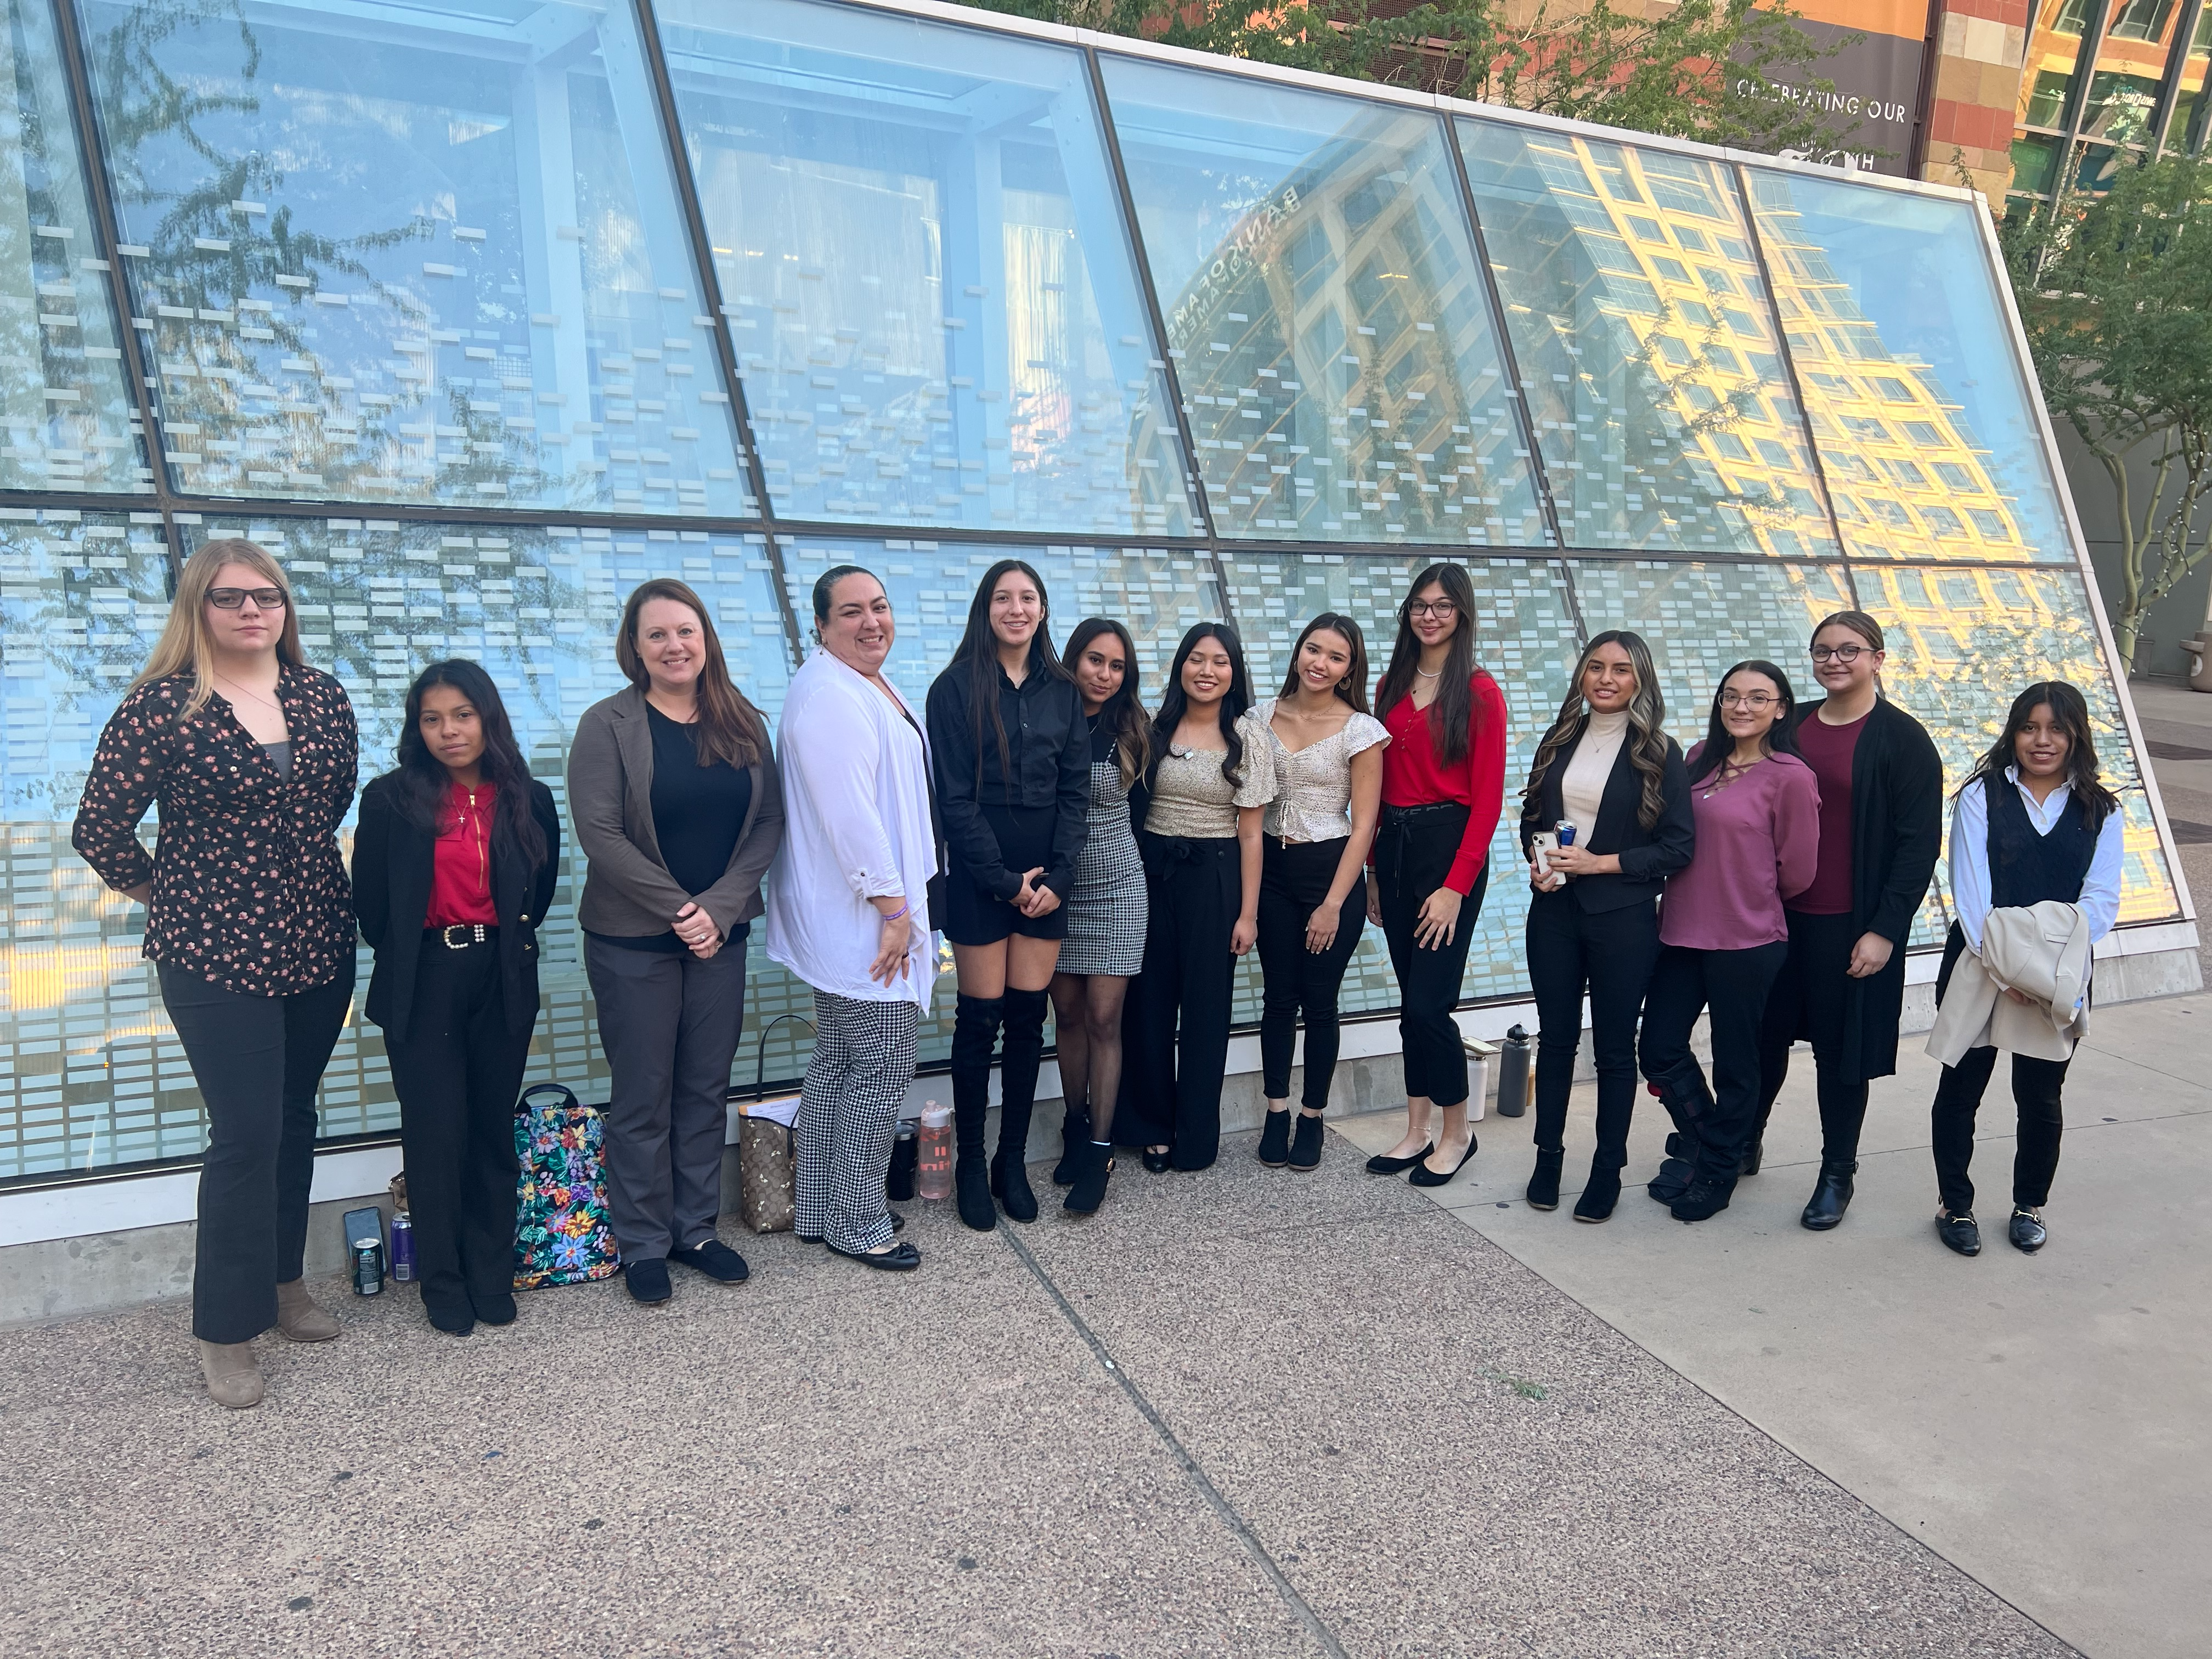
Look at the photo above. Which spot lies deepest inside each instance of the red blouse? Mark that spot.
(460, 860)
(1412, 776)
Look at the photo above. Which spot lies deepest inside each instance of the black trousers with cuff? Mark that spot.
(1413, 853)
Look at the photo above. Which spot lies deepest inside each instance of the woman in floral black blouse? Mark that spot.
(251, 756)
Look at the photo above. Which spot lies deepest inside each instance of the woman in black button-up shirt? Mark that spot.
(1011, 751)
(251, 756)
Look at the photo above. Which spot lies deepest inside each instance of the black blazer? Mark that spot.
(1647, 857)
(1049, 749)
(391, 862)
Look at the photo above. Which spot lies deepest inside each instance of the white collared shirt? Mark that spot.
(2099, 902)
(856, 827)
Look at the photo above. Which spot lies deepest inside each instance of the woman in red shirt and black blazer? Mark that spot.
(455, 860)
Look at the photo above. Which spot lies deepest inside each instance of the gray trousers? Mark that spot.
(847, 1116)
(670, 1026)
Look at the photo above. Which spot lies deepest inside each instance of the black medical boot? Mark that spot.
(1020, 1054)
(974, 1034)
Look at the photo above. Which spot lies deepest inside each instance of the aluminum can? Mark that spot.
(403, 1248)
(368, 1269)
(1566, 832)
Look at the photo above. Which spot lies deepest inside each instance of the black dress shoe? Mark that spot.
(1010, 1185)
(715, 1259)
(647, 1281)
(1275, 1139)
(1959, 1232)
(971, 1191)
(1831, 1198)
(1704, 1199)
(901, 1258)
(1673, 1180)
(1158, 1163)
(1382, 1163)
(2027, 1231)
(1306, 1144)
(1544, 1185)
(455, 1319)
(494, 1307)
(1600, 1194)
(1422, 1176)
(1754, 1152)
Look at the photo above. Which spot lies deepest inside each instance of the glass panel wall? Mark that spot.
(937, 312)
(1332, 340)
(1924, 418)
(66, 418)
(397, 254)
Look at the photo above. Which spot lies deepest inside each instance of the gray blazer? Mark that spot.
(628, 891)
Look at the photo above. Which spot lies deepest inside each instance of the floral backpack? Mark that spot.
(561, 1232)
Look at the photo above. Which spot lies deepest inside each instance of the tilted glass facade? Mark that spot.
(479, 317)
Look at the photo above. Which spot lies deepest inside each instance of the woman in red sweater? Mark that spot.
(1444, 786)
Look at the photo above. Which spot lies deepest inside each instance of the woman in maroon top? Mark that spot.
(251, 756)
(454, 862)
(1444, 786)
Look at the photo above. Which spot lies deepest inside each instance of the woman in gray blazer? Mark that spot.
(673, 793)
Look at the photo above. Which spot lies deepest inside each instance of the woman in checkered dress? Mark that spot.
(1106, 912)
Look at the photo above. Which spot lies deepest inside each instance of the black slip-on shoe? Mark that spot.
(647, 1281)
(2027, 1231)
(901, 1258)
(1384, 1164)
(1960, 1232)
(715, 1259)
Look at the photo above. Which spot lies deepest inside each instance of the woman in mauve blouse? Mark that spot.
(1443, 786)
(1722, 935)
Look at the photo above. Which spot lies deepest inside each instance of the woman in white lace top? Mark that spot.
(1327, 755)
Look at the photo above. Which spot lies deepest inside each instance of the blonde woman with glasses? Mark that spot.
(251, 756)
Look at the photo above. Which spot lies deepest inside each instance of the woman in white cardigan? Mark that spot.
(848, 912)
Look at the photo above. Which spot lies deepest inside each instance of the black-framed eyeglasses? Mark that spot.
(1845, 654)
(235, 599)
(1430, 608)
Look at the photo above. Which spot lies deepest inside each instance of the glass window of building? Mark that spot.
(2054, 56)
(393, 253)
(1898, 333)
(2186, 129)
(1332, 339)
(66, 417)
(921, 250)
(1646, 345)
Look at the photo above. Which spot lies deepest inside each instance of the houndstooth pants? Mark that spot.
(847, 1114)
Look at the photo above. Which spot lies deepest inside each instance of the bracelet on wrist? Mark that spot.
(904, 910)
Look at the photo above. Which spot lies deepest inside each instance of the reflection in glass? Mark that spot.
(1646, 346)
(1962, 642)
(936, 308)
(66, 419)
(1917, 401)
(2185, 130)
(1525, 636)
(2131, 69)
(393, 253)
(1331, 337)
(2054, 55)
(2034, 163)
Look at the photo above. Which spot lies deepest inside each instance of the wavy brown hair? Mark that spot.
(1124, 712)
(1452, 715)
(2071, 710)
(187, 643)
(730, 729)
(1647, 727)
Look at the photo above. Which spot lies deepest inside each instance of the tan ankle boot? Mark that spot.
(233, 1376)
(298, 1316)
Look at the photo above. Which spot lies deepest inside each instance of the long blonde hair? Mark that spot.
(187, 643)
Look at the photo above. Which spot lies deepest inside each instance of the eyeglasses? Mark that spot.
(1845, 654)
(1430, 608)
(1753, 701)
(234, 598)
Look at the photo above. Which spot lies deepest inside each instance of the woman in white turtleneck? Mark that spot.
(1608, 768)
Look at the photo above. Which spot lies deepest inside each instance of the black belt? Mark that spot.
(1395, 817)
(1164, 851)
(462, 935)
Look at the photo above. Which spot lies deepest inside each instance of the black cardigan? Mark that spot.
(1647, 857)
(1049, 746)
(391, 864)
(1897, 832)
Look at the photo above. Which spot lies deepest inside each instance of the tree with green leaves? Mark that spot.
(2116, 292)
(1700, 68)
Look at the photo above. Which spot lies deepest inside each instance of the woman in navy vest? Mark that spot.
(2032, 822)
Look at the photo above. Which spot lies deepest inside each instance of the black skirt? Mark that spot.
(974, 916)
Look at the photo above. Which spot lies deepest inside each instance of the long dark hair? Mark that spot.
(1647, 727)
(979, 650)
(729, 728)
(2071, 711)
(1123, 713)
(1719, 745)
(421, 779)
(1352, 688)
(1451, 715)
(1175, 701)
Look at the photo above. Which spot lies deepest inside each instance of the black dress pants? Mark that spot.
(2036, 1087)
(1808, 995)
(1733, 985)
(1609, 955)
(1413, 852)
(1293, 882)
(457, 1073)
(1175, 1023)
(258, 1062)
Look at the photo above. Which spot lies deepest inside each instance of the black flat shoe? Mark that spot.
(1305, 1146)
(1701, 1201)
(1275, 1139)
(1158, 1163)
(1831, 1198)
(496, 1309)
(1600, 1194)
(647, 1281)
(901, 1258)
(1382, 1163)
(715, 1259)
(2027, 1231)
(1960, 1232)
(454, 1322)
(1544, 1185)
(1422, 1176)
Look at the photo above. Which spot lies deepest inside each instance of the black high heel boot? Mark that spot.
(1021, 1051)
(974, 1034)
(1075, 1136)
(1094, 1163)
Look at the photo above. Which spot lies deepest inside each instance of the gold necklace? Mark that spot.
(253, 696)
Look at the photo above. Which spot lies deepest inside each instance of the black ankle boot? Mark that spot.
(1275, 1139)
(1544, 1185)
(1755, 1151)
(1020, 1053)
(974, 1034)
(1306, 1144)
(1600, 1194)
(1831, 1197)
(1075, 1136)
(1094, 1165)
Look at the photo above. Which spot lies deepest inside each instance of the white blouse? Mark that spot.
(1582, 785)
(1313, 785)
(857, 826)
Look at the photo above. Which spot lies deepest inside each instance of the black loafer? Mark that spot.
(496, 1308)
(901, 1258)
(1382, 1163)
(715, 1259)
(1959, 1232)
(1422, 1176)
(1158, 1163)
(2027, 1231)
(647, 1281)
